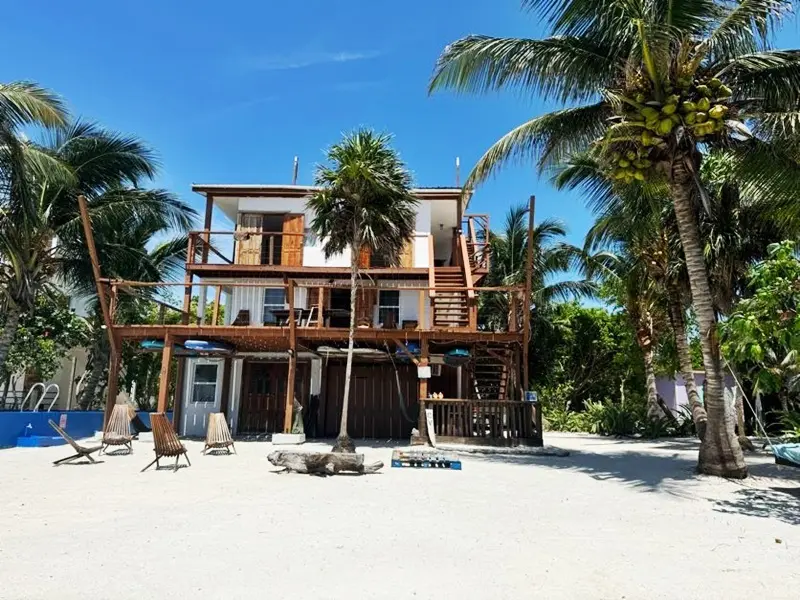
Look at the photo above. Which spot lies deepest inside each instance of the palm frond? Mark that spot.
(548, 139)
(26, 103)
(569, 68)
(743, 27)
(767, 80)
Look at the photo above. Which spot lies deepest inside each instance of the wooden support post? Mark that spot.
(201, 304)
(226, 386)
(113, 385)
(422, 425)
(217, 299)
(526, 306)
(473, 314)
(421, 311)
(321, 308)
(163, 384)
(287, 417)
(187, 290)
(512, 313)
(101, 292)
(177, 399)
(207, 225)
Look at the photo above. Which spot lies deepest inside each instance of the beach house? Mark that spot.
(283, 331)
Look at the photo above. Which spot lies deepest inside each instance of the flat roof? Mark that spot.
(301, 191)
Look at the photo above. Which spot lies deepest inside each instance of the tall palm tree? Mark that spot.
(552, 258)
(364, 201)
(664, 80)
(21, 104)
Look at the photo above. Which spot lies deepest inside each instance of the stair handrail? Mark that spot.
(30, 391)
(55, 399)
(431, 269)
(47, 389)
(465, 266)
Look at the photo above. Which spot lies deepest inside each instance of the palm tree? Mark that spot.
(665, 80)
(364, 201)
(82, 158)
(21, 104)
(552, 257)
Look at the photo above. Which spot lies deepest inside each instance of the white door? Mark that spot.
(203, 396)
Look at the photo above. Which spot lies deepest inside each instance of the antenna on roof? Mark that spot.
(294, 170)
(458, 171)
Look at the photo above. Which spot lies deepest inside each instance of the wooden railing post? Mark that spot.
(163, 384)
(421, 311)
(217, 299)
(321, 308)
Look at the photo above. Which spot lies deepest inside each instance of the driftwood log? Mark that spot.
(322, 463)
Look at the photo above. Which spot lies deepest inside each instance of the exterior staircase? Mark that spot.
(450, 306)
(490, 374)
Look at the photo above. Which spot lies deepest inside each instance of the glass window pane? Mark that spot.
(205, 374)
(390, 298)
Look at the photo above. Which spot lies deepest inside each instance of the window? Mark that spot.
(274, 299)
(389, 308)
(205, 384)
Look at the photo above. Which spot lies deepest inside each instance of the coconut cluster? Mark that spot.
(700, 106)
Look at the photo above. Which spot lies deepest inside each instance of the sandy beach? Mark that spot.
(616, 519)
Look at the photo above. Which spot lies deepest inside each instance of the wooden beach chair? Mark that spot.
(218, 435)
(118, 429)
(82, 451)
(166, 441)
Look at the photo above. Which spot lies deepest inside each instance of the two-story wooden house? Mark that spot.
(284, 328)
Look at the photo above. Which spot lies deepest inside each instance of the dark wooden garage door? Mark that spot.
(264, 395)
(374, 403)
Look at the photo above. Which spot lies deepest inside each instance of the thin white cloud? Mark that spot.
(301, 60)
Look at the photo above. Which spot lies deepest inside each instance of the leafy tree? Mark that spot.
(21, 105)
(365, 201)
(762, 333)
(43, 337)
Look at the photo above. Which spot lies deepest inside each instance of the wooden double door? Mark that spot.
(270, 239)
(264, 395)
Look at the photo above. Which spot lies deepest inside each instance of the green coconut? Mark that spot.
(624, 163)
(669, 109)
(715, 83)
(688, 106)
(703, 104)
(640, 98)
(649, 113)
(639, 175)
(718, 111)
(673, 99)
(724, 91)
(703, 90)
(615, 156)
(701, 117)
(675, 119)
(691, 118)
(665, 126)
(630, 155)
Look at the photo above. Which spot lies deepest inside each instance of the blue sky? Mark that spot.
(230, 92)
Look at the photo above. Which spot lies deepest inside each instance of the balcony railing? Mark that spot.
(310, 303)
(246, 248)
(485, 422)
(475, 229)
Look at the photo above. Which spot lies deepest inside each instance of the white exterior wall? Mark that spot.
(312, 249)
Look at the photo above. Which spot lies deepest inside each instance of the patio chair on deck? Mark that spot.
(82, 451)
(166, 441)
(218, 435)
(118, 429)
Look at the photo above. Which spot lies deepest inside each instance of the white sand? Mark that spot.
(614, 520)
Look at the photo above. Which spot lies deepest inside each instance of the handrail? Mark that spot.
(47, 389)
(211, 248)
(431, 268)
(466, 266)
(30, 391)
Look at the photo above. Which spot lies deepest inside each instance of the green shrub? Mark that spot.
(790, 425)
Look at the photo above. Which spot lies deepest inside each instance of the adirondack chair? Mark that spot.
(218, 434)
(118, 429)
(166, 441)
(82, 451)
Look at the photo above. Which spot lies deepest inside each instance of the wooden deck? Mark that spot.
(486, 422)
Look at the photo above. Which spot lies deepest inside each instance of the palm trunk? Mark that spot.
(644, 337)
(13, 316)
(699, 416)
(96, 367)
(343, 441)
(720, 453)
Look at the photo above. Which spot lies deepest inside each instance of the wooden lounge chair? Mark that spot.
(118, 429)
(166, 441)
(82, 451)
(218, 435)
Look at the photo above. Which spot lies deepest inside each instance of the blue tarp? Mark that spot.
(788, 453)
